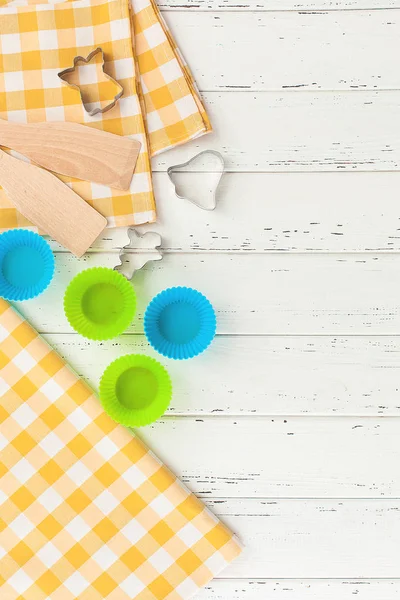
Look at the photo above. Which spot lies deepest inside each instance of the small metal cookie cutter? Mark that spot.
(87, 60)
(142, 258)
(220, 171)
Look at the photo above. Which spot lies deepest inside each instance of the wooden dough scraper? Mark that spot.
(74, 150)
(50, 204)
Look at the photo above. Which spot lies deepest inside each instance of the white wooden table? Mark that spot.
(288, 426)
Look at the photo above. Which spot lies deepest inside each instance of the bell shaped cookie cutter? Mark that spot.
(220, 171)
(154, 253)
(87, 60)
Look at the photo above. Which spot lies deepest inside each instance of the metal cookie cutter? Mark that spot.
(141, 259)
(220, 171)
(81, 59)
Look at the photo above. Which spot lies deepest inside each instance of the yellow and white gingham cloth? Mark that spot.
(160, 106)
(86, 510)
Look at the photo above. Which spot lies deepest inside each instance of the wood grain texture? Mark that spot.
(259, 295)
(347, 50)
(302, 375)
(281, 457)
(342, 131)
(301, 589)
(275, 5)
(50, 204)
(277, 212)
(317, 538)
(74, 150)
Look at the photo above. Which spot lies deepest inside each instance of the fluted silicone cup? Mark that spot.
(135, 390)
(99, 303)
(26, 264)
(180, 323)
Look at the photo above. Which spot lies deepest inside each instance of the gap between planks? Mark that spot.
(202, 251)
(180, 8)
(223, 588)
(260, 6)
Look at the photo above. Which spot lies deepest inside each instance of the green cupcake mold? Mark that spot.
(135, 390)
(99, 303)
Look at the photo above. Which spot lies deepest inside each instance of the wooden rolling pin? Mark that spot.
(50, 204)
(74, 150)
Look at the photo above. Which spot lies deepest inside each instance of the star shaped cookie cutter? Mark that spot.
(142, 258)
(87, 60)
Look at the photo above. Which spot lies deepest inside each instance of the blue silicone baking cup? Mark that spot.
(179, 323)
(26, 264)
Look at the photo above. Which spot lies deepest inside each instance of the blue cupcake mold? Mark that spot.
(26, 264)
(179, 323)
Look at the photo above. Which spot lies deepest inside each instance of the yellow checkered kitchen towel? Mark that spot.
(86, 510)
(160, 106)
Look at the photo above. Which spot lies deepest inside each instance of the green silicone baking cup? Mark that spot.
(135, 390)
(99, 303)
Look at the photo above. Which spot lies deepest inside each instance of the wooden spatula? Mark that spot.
(50, 204)
(74, 150)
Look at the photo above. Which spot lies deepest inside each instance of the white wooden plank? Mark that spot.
(275, 5)
(311, 131)
(268, 212)
(295, 589)
(292, 457)
(290, 50)
(284, 375)
(314, 538)
(261, 294)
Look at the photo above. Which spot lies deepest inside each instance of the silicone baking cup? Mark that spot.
(26, 264)
(99, 303)
(135, 390)
(180, 323)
